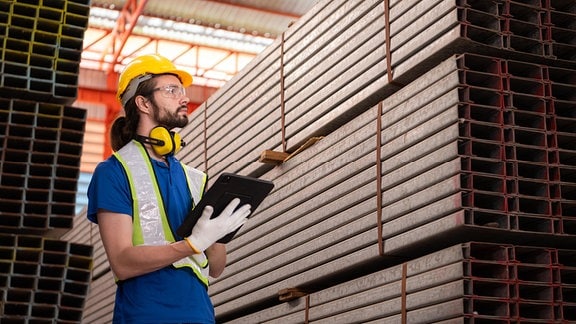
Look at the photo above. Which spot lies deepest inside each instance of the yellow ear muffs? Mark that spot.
(163, 140)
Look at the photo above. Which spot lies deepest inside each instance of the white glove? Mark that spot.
(209, 230)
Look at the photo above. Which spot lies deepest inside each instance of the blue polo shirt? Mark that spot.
(167, 295)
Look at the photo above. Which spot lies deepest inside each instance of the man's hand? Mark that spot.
(209, 230)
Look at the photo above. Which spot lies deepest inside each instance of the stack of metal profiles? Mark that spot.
(333, 65)
(493, 283)
(44, 279)
(99, 304)
(42, 45)
(41, 148)
(440, 184)
(467, 136)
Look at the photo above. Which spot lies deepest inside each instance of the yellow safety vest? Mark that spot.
(150, 223)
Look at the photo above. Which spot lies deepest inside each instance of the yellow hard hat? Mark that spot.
(143, 68)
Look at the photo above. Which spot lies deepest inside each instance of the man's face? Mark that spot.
(170, 102)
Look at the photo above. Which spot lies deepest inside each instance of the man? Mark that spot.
(141, 194)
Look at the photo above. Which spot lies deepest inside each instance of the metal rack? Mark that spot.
(43, 279)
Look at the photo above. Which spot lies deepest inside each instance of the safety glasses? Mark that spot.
(171, 91)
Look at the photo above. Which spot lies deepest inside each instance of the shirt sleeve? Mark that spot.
(109, 190)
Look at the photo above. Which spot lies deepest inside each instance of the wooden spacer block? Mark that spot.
(275, 157)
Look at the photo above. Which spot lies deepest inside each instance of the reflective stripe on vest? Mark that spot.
(150, 223)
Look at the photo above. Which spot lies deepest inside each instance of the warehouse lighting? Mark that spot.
(182, 32)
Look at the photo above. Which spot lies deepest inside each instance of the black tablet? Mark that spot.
(227, 187)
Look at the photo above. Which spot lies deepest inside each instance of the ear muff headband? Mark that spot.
(164, 142)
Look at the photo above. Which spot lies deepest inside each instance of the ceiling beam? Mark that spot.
(126, 22)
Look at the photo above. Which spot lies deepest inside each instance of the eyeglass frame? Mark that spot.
(169, 91)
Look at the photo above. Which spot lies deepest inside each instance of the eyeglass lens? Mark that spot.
(172, 91)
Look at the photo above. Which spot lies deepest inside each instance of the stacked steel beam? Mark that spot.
(42, 45)
(41, 148)
(448, 174)
(333, 64)
(475, 282)
(99, 304)
(44, 280)
(442, 122)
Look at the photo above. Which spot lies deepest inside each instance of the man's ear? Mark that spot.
(143, 104)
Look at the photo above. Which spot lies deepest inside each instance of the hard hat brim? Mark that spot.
(184, 77)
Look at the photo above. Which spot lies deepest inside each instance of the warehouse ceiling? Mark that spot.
(212, 39)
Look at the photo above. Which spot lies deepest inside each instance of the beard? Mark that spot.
(170, 119)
